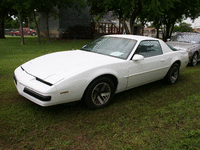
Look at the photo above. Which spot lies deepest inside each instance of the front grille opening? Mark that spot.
(37, 95)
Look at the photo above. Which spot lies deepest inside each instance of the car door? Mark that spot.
(28, 32)
(151, 68)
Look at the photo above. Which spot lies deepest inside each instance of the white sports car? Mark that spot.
(109, 65)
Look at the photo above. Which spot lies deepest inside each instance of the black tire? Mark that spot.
(99, 93)
(33, 34)
(173, 74)
(194, 59)
(14, 34)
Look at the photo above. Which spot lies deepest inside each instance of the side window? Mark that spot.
(149, 48)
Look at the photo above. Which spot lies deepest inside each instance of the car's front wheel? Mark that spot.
(194, 59)
(173, 74)
(99, 93)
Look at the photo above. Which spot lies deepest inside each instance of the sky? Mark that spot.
(195, 24)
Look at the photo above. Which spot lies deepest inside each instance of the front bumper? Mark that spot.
(41, 92)
(34, 90)
(33, 93)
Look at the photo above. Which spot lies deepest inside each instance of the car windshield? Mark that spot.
(112, 46)
(188, 38)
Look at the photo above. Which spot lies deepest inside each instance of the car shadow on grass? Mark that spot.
(136, 94)
(155, 94)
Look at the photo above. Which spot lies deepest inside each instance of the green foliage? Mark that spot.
(175, 14)
(5, 9)
(125, 9)
(11, 23)
(25, 8)
(183, 27)
(162, 12)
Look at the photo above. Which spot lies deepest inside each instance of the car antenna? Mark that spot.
(74, 42)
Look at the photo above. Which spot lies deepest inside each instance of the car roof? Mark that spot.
(134, 37)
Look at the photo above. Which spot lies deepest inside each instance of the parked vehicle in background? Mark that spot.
(189, 42)
(26, 31)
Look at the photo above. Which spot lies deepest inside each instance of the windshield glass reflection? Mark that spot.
(112, 46)
(188, 38)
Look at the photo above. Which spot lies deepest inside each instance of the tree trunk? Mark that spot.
(167, 32)
(47, 26)
(132, 23)
(21, 27)
(2, 34)
(120, 22)
(38, 30)
(157, 34)
(125, 27)
(172, 28)
(143, 24)
(157, 23)
(134, 16)
(28, 22)
(164, 32)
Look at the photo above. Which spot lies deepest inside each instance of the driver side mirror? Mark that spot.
(137, 57)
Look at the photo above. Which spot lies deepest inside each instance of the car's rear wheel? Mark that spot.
(173, 74)
(99, 93)
(194, 59)
(33, 34)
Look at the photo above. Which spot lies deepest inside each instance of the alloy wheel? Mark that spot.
(101, 94)
(194, 59)
(174, 74)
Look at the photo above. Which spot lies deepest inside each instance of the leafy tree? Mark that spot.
(123, 8)
(162, 12)
(175, 14)
(183, 27)
(11, 23)
(157, 12)
(2, 17)
(28, 8)
(127, 9)
(23, 10)
(48, 7)
(5, 9)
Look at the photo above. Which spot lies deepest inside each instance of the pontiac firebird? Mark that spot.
(109, 65)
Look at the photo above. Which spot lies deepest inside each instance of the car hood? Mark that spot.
(56, 66)
(183, 46)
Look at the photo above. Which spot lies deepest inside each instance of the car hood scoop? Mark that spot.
(56, 66)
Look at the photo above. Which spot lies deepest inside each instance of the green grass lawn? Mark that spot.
(153, 116)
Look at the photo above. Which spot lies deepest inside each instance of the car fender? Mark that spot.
(181, 57)
(120, 75)
(75, 86)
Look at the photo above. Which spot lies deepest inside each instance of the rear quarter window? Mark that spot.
(172, 48)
